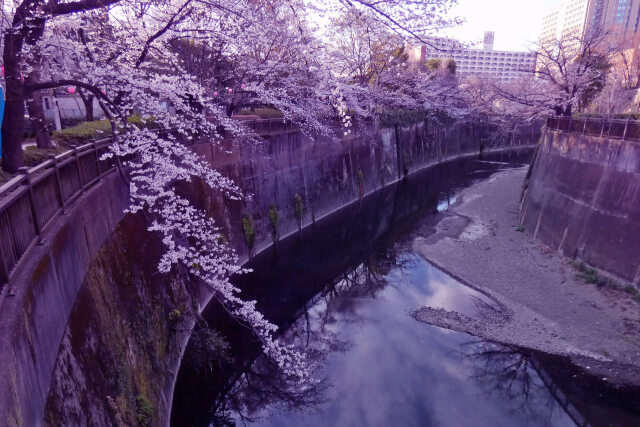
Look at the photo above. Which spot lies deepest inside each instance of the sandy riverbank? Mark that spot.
(539, 301)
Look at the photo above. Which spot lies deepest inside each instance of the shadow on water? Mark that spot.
(341, 291)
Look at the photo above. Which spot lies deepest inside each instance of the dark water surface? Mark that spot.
(343, 291)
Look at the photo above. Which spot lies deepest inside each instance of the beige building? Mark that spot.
(501, 65)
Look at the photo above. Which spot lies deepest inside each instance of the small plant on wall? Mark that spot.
(299, 210)
(249, 231)
(274, 220)
(361, 182)
(144, 410)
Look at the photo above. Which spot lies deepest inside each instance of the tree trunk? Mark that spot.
(38, 120)
(87, 100)
(13, 121)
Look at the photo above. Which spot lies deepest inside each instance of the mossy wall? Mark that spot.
(120, 340)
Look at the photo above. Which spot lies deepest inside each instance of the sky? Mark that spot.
(516, 23)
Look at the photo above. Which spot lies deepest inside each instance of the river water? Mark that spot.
(343, 292)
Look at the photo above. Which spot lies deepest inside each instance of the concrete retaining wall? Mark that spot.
(33, 320)
(327, 174)
(583, 199)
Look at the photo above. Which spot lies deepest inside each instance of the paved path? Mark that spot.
(540, 303)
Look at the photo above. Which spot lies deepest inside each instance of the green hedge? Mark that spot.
(84, 132)
(99, 129)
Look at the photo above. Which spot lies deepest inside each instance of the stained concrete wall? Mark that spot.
(326, 174)
(45, 365)
(583, 199)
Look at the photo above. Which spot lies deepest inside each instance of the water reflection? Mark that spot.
(510, 373)
(380, 367)
(342, 292)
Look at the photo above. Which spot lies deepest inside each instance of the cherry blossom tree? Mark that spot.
(204, 59)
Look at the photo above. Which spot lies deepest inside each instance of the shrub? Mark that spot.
(174, 315)
(98, 129)
(209, 348)
(136, 119)
(434, 63)
(83, 133)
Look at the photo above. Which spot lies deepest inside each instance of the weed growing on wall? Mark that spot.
(274, 220)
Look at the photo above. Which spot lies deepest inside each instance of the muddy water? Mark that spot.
(342, 291)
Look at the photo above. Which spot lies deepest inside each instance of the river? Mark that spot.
(343, 291)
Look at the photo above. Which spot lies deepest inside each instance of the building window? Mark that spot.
(621, 12)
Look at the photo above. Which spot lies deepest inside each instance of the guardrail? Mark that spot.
(625, 129)
(31, 201)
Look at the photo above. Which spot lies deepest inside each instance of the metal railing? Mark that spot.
(625, 129)
(30, 202)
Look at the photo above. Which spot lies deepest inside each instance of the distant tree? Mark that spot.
(434, 64)
(447, 65)
(574, 70)
(451, 66)
(570, 73)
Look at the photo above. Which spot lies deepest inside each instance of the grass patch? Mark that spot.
(34, 155)
(519, 227)
(590, 275)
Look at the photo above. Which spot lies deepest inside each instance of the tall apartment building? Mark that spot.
(501, 65)
(618, 19)
(577, 18)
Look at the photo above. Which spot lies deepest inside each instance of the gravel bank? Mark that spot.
(539, 301)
